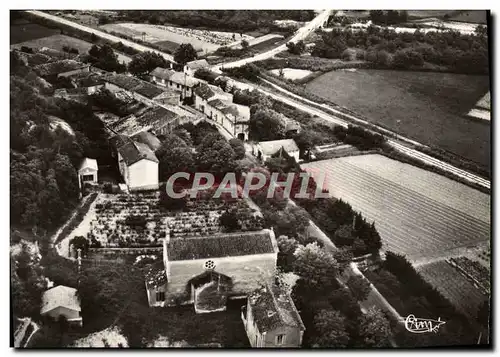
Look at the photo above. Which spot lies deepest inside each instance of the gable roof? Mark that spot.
(183, 79)
(221, 245)
(197, 64)
(163, 73)
(123, 81)
(118, 140)
(88, 163)
(60, 296)
(148, 90)
(156, 115)
(272, 147)
(133, 152)
(273, 307)
(217, 104)
(58, 67)
(204, 91)
(145, 137)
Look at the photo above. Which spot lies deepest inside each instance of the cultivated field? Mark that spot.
(292, 73)
(206, 41)
(57, 42)
(454, 286)
(22, 30)
(417, 213)
(428, 107)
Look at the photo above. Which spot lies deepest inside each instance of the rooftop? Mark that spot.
(89, 163)
(272, 308)
(60, 296)
(272, 147)
(149, 90)
(221, 245)
(204, 91)
(194, 65)
(58, 67)
(183, 79)
(133, 152)
(123, 81)
(163, 73)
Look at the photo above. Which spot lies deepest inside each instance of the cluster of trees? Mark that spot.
(70, 50)
(143, 63)
(249, 71)
(388, 17)
(185, 53)
(330, 312)
(265, 123)
(233, 20)
(105, 58)
(296, 48)
(345, 227)
(43, 178)
(105, 100)
(359, 137)
(387, 48)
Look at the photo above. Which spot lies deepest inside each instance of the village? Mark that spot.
(190, 211)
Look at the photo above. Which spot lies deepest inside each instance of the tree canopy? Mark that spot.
(143, 63)
(185, 53)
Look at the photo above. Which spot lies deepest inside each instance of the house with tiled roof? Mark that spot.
(62, 68)
(205, 93)
(266, 149)
(150, 94)
(231, 117)
(177, 81)
(271, 318)
(207, 270)
(145, 137)
(193, 66)
(61, 302)
(89, 80)
(138, 165)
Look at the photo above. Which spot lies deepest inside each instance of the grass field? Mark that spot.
(416, 212)
(57, 42)
(428, 107)
(453, 286)
(21, 31)
(473, 16)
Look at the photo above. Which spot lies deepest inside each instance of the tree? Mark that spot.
(244, 44)
(296, 48)
(215, 155)
(483, 314)
(287, 247)
(407, 58)
(93, 38)
(238, 147)
(80, 242)
(317, 266)
(229, 220)
(144, 62)
(265, 124)
(359, 286)
(174, 158)
(105, 58)
(330, 330)
(185, 53)
(374, 329)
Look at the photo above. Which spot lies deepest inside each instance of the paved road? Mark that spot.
(101, 34)
(301, 34)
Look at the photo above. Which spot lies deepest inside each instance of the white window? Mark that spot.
(280, 339)
(88, 178)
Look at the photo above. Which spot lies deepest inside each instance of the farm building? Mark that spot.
(206, 92)
(232, 117)
(266, 149)
(177, 81)
(206, 270)
(62, 302)
(161, 75)
(138, 164)
(271, 319)
(63, 68)
(150, 94)
(193, 66)
(87, 171)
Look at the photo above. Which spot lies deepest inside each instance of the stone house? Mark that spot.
(232, 117)
(266, 149)
(62, 301)
(205, 93)
(177, 81)
(271, 318)
(212, 268)
(191, 67)
(62, 68)
(138, 164)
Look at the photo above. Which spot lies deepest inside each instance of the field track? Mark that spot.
(408, 221)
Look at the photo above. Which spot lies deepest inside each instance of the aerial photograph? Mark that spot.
(237, 179)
